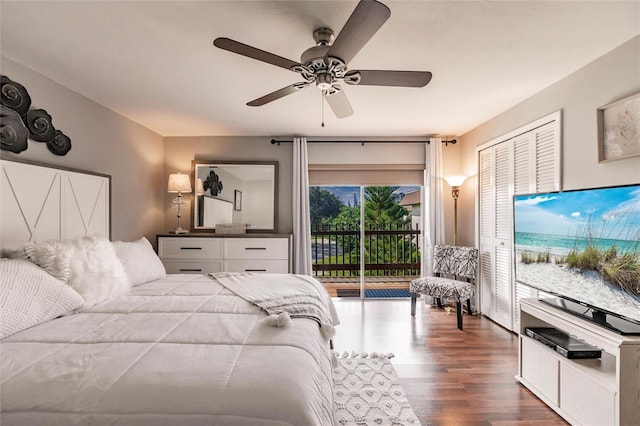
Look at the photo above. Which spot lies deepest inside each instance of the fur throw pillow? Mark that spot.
(89, 265)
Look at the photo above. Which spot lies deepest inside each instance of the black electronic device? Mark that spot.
(564, 344)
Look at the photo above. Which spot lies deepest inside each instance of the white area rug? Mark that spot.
(367, 392)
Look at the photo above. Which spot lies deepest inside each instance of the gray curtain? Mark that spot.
(301, 216)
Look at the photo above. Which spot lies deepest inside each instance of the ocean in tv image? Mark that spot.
(584, 245)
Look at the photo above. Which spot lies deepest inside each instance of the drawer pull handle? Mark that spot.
(190, 248)
(255, 270)
(190, 270)
(255, 248)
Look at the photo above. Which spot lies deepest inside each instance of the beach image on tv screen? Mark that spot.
(583, 245)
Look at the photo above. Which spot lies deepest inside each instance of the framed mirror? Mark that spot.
(235, 192)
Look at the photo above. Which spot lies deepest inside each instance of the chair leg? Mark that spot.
(459, 314)
(439, 302)
(414, 297)
(469, 306)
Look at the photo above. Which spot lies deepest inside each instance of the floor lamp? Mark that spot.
(179, 183)
(455, 182)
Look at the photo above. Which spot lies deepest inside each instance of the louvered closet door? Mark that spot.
(536, 169)
(523, 170)
(486, 219)
(523, 164)
(496, 171)
(503, 172)
(547, 155)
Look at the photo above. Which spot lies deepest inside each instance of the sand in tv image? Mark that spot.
(583, 245)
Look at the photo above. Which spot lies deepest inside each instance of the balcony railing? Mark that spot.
(389, 251)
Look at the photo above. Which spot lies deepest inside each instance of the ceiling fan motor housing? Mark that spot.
(323, 36)
(316, 66)
(313, 57)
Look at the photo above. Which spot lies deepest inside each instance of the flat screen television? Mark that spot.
(582, 248)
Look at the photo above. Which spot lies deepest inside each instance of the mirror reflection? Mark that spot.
(235, 193)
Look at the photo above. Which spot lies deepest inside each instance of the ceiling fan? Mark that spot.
(325, 64)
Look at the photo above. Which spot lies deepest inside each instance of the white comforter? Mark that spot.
(178, 351)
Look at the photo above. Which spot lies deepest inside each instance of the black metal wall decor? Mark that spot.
(212, 183)
(18, 123)
(13, 133)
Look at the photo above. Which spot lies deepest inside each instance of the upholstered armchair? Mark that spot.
(454, 269)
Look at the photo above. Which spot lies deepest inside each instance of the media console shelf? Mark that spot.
(603, 391)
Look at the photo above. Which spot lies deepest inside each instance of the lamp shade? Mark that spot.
(179, 183)
(455, 180)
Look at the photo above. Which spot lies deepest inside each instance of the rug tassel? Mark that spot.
(363, 355)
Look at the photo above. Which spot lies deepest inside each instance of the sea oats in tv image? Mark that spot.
(582, 245)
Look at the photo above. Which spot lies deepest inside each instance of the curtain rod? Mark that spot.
(446, 143)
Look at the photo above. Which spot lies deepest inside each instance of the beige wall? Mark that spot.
(103, 142)
(610, 77)
(451, 165)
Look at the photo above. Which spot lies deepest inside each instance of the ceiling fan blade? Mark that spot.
(281, 93)
(364, 22)
(338, 102)
(253, 53)
(388, 78)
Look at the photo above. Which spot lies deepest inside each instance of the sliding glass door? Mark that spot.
(335, 238)
(365, 239)
(391, 240)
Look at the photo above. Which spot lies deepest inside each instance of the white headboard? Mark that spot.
(40, 202)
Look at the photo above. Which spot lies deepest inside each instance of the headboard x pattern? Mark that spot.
(39, 202)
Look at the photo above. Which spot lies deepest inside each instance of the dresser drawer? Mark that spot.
(264, 266)
(256, 248)
(192, 266)
(189, 248)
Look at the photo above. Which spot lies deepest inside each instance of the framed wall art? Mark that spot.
(619, 129)
(237, 200)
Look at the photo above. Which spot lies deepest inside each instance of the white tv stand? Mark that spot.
(602, 391)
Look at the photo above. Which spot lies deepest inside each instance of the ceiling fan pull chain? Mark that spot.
(324, 92)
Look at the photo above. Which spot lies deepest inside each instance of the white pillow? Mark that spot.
(30, 296)
(88, 264)
(140, 261)
(13, 254)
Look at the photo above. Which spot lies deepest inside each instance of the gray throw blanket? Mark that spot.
(283, 296)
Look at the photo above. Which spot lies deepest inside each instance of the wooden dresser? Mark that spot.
(206, 253)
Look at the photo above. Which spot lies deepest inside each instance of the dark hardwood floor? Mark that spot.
(451, 377)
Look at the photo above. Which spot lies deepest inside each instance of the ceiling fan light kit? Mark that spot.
(325, 64)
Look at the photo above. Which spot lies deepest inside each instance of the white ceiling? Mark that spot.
(154, 62)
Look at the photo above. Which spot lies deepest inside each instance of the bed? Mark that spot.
(167, 350)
